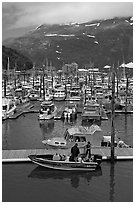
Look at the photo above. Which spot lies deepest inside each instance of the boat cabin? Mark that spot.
(81, 134)
(47, 106)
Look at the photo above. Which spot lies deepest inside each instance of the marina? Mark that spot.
(67, 102)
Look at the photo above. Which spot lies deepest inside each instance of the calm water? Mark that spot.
(27, 182)
(27, 132)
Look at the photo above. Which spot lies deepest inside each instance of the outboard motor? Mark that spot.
(97, 158)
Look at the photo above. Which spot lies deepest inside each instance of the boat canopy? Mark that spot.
(80, 130)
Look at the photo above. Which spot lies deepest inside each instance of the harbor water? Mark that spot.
(29, 183)
(26, 182)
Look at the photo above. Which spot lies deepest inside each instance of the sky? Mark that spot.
(20, 17)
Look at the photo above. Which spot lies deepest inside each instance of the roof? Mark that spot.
(58, 139)
(81, 130)
(47, 103)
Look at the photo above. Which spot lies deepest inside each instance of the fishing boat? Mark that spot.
(91, 111)
(59, 94)
(8, 108)
(76, 134)
(65, 164)
(47, 111)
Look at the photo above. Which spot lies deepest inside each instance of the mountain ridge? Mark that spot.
(99, 41)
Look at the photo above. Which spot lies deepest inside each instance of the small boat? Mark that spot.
(8, 108)
(34, 95)
(76, 134)
(65, 164)
(47, 111)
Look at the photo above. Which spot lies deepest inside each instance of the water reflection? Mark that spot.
(5, 130)
(112, 181)
(47, 126)
(74, 177)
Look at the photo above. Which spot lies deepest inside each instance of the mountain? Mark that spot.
(101, 42)
(22, 62)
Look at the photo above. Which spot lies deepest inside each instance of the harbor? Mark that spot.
(67, 102)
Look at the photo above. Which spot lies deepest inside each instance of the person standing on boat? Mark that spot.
(74, 152)
(88, 149)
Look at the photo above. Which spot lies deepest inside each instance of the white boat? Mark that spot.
(65, 163)
(76, 134)
(47, 111)
(59, 94)
(8, 108)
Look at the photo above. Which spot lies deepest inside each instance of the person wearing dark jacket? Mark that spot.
(74, 152)
(88, 150)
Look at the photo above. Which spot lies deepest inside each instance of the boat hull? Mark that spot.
(45, 116)
(42, 160)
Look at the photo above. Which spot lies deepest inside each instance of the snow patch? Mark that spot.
(91, 36)
(96, 42)
(131, 19)
(58, 51)
(93, 24)
(50, 35)
(127, 21)
(37, 28)
(60, 35)
(131, 23)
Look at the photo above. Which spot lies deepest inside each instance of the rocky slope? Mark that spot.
(102, 42)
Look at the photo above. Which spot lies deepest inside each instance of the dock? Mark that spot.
(21, 110)
(9, 156)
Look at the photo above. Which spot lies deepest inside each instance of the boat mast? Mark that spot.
(43, 81)
(126, 95)
(118, 79)
(33, 74)
(113, 115)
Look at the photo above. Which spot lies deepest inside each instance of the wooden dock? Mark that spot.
(22, 155)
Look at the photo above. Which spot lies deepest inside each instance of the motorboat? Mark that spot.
(47, 111)
(8, 108)
(76, 134)
(59, 94)
(91, 111)
(65, 164)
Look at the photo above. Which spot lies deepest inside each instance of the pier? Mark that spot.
(22, 155)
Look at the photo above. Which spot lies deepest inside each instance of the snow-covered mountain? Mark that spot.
(101, 41)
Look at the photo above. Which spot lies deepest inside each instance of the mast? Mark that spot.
(126, 95)
(33, 74)
(43, 81)
(118, 80)
(8, 70)
(113, 115)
